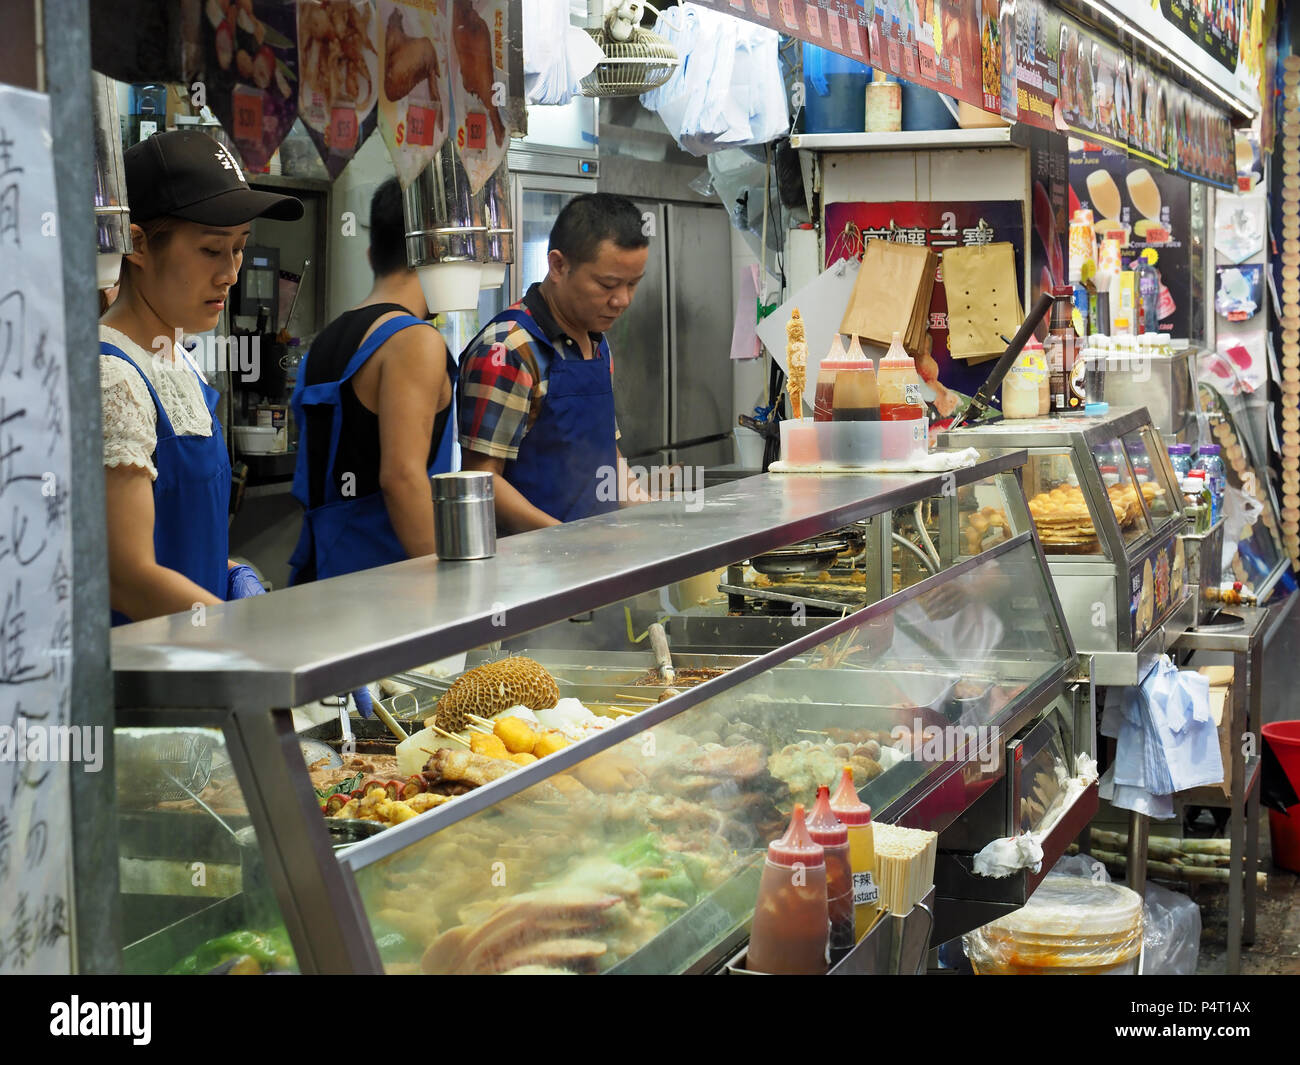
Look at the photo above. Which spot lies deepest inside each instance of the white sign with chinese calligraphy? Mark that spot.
(38, 748)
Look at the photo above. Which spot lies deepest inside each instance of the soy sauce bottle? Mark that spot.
(855, 395)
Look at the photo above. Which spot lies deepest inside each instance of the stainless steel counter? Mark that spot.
(305, 643)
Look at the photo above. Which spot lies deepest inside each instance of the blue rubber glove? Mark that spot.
(365, 705)
(241, 583)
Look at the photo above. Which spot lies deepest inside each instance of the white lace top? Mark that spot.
(130, 420)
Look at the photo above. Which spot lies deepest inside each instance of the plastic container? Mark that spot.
(1216, 479)
(884, 104)
(899, 385)
(824, 394)
(1070, 926)
(1023, 386)
(789, 935)
(856, 817)
(1180, 457)
(1284, 828)
(854, 396)
(852, 445)
(825, 828)
(834, 92)
(1197, 501)
(924, 109)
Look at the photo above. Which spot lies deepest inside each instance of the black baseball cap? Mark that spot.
(187, 174)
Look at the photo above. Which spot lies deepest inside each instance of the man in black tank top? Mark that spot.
(395, 407)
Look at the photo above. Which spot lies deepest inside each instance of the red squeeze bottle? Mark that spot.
(825, 828)
(789, 933)
(824, 397)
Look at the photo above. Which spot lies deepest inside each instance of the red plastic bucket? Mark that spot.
(1284, 738)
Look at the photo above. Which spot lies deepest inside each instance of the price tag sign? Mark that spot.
(855, 36)
(865, 891)
(761, 9)
(420, 122)
(476, 130)
(247, 108)
(343, 129)
(833, 28)
(738, 5)
(813, 17)
(788, 14)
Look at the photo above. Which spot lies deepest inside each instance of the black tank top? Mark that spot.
(358, 452)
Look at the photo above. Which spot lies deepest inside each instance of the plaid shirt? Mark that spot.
(494, 394)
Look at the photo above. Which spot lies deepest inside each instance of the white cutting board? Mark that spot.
(821, 304)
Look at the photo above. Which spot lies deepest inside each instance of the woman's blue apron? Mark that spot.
(191, 495)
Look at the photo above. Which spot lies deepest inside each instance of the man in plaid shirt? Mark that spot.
(535, 402)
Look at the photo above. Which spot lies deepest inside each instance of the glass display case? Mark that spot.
(618, 830)
(1108, 513)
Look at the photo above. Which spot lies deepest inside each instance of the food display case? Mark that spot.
(1108, 512)
(636, 847)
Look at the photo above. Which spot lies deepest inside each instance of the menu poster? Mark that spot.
(1151, 208)
(893, 38)
(1096, 100)
(252, 75)
(414, 88)
(1049, 203)
(338, 63)
(37, 741)
(947, 48)
(1008, 105)
(991, 56)
(938, 225)
(1038, 43)
(1214, 26)
(836, 25)
(479, 80)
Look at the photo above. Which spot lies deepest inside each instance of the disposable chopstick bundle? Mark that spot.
(904, 865)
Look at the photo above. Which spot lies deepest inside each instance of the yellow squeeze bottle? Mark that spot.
(856, 816)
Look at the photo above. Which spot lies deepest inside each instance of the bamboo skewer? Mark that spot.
(634, 698)
(448, 736)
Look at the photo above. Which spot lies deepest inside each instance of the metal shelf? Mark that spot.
(910, 140)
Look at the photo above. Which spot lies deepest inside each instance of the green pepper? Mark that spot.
(678, 885)
(639, 851)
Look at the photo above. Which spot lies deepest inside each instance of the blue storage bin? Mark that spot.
(835, 92)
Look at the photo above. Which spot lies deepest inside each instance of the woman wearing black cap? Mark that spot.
(167, 473)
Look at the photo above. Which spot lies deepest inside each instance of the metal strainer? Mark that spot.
(164, 766)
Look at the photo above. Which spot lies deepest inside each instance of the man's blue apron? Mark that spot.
(347, 534)
(191, 495)
(567, 465)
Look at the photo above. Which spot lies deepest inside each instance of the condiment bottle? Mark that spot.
(899, 385)
(824, 397)
(789, 935)
(1061, 344)
(856, 817)
(825, 828)
(1036, 358)
(1020, 388)
(854, 394)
